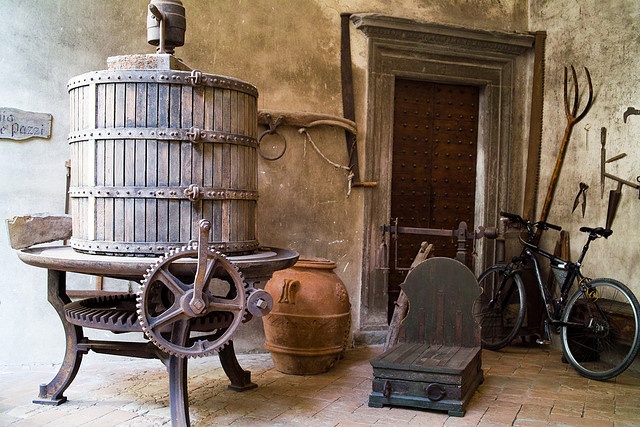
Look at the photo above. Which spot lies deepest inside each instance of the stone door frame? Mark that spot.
(500, 64)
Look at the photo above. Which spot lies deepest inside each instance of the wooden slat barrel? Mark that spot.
(153, 151)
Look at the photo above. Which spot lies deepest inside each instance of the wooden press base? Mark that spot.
(78, 345)
(256, 268)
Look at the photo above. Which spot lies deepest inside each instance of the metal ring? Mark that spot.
(435, 392)
(271, 132)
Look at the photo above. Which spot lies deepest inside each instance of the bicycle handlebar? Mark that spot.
(594, 233)
(540, 224)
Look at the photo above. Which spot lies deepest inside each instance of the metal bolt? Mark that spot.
(197, 306)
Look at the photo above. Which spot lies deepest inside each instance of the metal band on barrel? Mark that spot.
(164, 134)
(206, 193)
(161, 77)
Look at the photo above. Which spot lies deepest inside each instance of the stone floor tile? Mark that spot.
(526, 386)
(501, 413)
(533, 412)
(530, 423)
(429, 418)
(569, 420)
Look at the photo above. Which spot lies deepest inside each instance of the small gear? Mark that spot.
(187, 312)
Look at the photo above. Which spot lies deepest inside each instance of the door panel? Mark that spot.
(434, 168)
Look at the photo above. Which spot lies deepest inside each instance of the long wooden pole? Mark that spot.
(535, 129)
(572, 120)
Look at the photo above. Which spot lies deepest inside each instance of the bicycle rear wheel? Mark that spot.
(603, 337)
(499, 310)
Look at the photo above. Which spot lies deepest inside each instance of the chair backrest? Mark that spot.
(441, 293)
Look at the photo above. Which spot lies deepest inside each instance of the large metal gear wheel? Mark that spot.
(192, 312)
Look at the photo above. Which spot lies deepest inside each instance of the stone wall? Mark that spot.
(603, 38)
(290, 51)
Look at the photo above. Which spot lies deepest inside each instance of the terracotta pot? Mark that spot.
(309, 325)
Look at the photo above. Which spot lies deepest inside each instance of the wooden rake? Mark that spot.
(571, 113)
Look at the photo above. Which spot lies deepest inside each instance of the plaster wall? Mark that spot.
(288, 49)
(604, 38)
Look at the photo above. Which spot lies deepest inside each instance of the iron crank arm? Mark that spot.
(197, 303)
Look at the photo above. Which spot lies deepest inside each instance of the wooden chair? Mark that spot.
(439, 365)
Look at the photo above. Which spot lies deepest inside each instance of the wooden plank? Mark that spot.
(402, 362)
(100, 221)
(140, 165)
(426, 357)
(242, 168)
(462, 356)
(120, 109)
(175, 95)
(140, 215)
(225, 231)
(130, 113)
(89, 107)
(110, 105)
(216, 215)
(100, 161)
(141, 106)
(218, 166)
(233, 112)
(175, 106)
(218, 116)
(25, 231)
(443, 355)
(76, 115)
(401, 354)
(152, 169)
(173, 217)
(129, 220)
(241, 116)
(207, 212)
(253, 112)
(110, 181)
(208, 108)
(118, 178)
(152, 112)
(226, 110)
(198, 149)
(163, 106)
(187, 172)
(402, 304)
(207, 165)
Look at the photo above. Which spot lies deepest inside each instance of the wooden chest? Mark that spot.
(426, 376)
(154, 149)
(439, 365)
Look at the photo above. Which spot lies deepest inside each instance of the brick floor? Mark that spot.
(524, 386)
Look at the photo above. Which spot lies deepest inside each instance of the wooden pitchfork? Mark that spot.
(571, 112)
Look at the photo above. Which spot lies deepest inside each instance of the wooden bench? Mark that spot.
(439, 365)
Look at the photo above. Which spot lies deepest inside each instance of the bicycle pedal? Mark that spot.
(543, 342)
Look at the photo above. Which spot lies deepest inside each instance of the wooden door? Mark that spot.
(434, 168)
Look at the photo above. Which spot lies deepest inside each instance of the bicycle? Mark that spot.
(597, 338)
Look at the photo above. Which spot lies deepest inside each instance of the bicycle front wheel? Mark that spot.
(600, 335)
(500, 308)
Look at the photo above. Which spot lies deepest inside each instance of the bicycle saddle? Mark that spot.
(599, 231)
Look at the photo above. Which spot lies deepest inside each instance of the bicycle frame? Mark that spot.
(553, 307)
